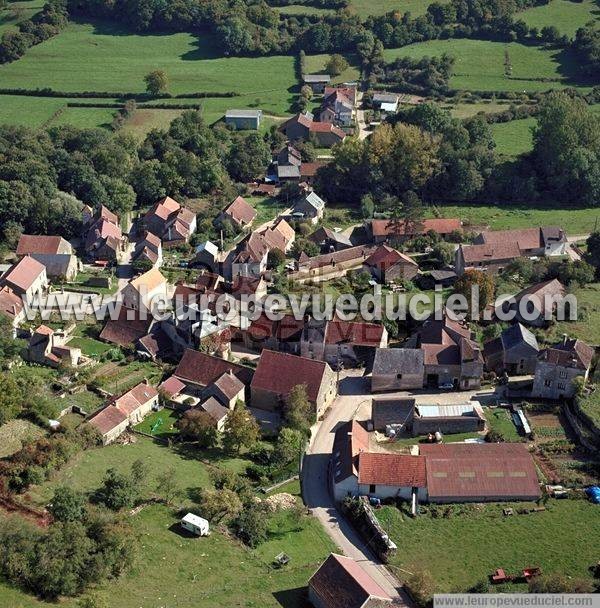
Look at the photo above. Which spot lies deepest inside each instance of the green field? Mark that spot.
(15, 12)
(167, 419)
(514, 137)
(557, 540)
(302, 9)
(576, 221)
(480, 64)
(176, 571)
(587, 327)
(379, 7)
(87, 57)
(566, 15)
(315, 64)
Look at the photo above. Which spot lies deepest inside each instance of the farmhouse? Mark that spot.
(243, 119)
(279, 236)
(558, 366)
(282, 335)
(450, 355)
(492, 257)
(381, 231)
(216, 411)
(128, 409)
(543, 241)
(341, 583)
(537, 305)
(148, 250)
(170, 221)
(398, 369)
(338, 105)
(127, 328)
(448, 419)
(310, 207)
(329, 240)
(351, 439)
(462, 472)
(197, 371)
(53, 252)
(11, 306)
(227, 389)
(239, 212)
(145, 291)
(342, 342)
(27, 279)
(302, 126)
(278, 373)
(331, 265)
(515, 352)
(387, 264)
(249, 259)
(103, 239)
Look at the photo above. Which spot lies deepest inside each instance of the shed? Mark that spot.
(196, 525)
(243, 119)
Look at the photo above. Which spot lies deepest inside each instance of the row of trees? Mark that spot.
(45, 24)
(189, 159)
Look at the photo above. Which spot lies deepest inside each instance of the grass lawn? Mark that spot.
(302, 9)
(465, 110)
(15, 433)
(167, 419)
(379, 7)
(87, 57)
(267, 208)
(567, 16)
(315, 64)
(28, 111)
(514, 137)
(575, 221)
(557, 540)
(480, 64)
(500, 420)
(173, 570)
(89, 346)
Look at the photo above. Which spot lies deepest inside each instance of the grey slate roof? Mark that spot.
(243, 113)
(288, 171)
(398, 361)
(517, 334)
(312, 78)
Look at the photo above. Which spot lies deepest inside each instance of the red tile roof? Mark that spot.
(124, 331)
(24, 273)
(356, 333)
(339, 257)
(310, 169)
(241, 211)
(507, 250)
(341, 583)
(172, 386)
(202, 369)
(34, 243)
(399, 470)
(503, 471)
(386, 257)
(279, 373)
(10, 303)
(229, 384)
(525, 238)
(108, 419)
(351, 439)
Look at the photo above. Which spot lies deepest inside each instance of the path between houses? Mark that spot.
(315, 489)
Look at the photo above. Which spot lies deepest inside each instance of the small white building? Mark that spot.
(196, 525)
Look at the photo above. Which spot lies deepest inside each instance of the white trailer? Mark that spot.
(196, 525)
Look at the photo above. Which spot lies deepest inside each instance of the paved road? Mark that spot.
(316, 487)
(363, 131)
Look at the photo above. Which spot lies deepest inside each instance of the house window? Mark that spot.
(372, 489)
(399, 376)
(547, 382)
(561, 386)
(562, 374)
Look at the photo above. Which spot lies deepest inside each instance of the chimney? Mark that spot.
(564, 339)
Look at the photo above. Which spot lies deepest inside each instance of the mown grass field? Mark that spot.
(567, 16)
(379, 7)
(103, 57)
(557, 540)
(176, 571)
(575, 221)
(587, 326)
(480, 64)
(515, 137)
(15, 433)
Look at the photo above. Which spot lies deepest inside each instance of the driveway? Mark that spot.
(363, 131)
(315, 484)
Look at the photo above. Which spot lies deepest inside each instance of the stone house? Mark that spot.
(170, 221)
(387, 265)
(53, 252)
(381, 231)
(239, 212)
(145, 291)
(27, 279)
(317, 82)
(558, 366)
(47, 347)
(398, 369)
(542, 241)
(121, 412)
(278, 373)
(310, 207)
(515, 352)
(103, 238)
